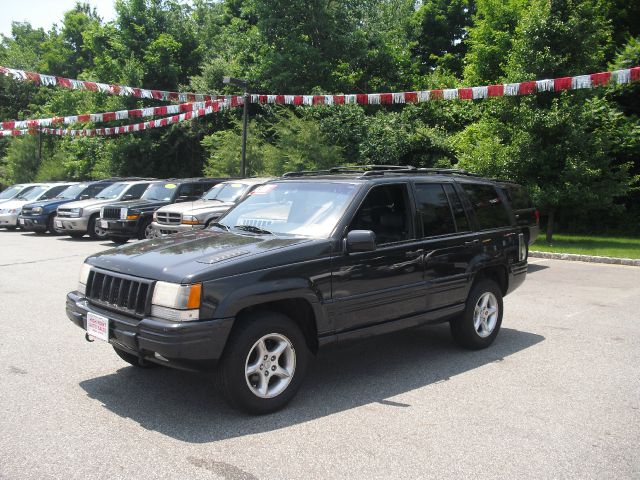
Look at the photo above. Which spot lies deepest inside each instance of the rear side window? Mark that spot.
(137, 190)
(490, 211)
(434, 210)
(53, 192)
(518, 197)
(458, 210)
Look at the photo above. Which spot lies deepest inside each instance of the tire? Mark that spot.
(118, 240)
(134, 359)
(241, 389)
(50, 228)
(477, 330)
(145, 231)
(95, 232)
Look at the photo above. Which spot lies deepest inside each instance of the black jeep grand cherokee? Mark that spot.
(305, 261)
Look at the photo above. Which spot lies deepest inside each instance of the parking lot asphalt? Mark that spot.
(556, 396)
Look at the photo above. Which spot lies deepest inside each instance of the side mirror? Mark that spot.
(185, 198)
(84, 197)
(128, 196)
(361, 241)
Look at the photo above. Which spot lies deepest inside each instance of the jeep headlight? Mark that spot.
(176, 302)
(190, 220)
(37, 210)
(85, 270)
(75, 212)
(123, 214)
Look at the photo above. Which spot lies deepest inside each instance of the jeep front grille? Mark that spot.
(111, 213)
(169, 218)
(64, 212)
(119, 292)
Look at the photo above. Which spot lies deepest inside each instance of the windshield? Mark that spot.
(298, 208)
(161, 192)
(34, 193)
(10, 192)
(226, 192)
(112, 191)
(72, 192)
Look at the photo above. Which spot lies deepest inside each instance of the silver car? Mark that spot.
(10, 210)
(181, 217)
(83, 217)
(13, 191)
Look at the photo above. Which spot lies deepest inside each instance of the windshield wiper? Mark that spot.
(219, 225)
(212, 199)
(252, 229)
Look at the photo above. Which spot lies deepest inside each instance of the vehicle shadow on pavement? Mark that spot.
(536, 267)
(187, 406)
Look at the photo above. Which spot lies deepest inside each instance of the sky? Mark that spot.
(44, 13)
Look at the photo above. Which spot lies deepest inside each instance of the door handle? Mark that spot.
(414, 253)
(472, 242)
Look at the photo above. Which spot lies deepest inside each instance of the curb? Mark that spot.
(586, 258)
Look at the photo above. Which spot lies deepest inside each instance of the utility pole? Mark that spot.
(245, 118)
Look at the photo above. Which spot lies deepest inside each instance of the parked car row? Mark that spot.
(122, 208)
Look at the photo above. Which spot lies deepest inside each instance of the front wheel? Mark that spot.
(480, 322)
(94, 230)
(264, 364)
(145, 231)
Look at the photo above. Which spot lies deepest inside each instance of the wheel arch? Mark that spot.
(497, 273)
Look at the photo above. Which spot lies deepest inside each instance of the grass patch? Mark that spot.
(620, 247)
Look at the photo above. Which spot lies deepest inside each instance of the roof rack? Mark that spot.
(373, 170)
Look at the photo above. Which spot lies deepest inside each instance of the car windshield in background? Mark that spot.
(72, 192)
(34, 193)
(112, 191)
(297, 208)
(161, 192)
(9, 193)
(226, 192)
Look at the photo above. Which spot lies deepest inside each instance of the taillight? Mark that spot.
(537, 217)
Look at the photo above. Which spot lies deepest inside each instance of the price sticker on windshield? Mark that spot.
(170, 186)
(264, 189)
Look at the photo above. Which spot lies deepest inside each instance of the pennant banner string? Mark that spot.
(468, 93)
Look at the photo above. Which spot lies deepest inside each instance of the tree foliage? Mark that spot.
(578, 148)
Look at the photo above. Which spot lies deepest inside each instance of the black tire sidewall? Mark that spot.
(232, 369)
(463, 329)
(143, 226)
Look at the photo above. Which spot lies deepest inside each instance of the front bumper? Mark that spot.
(70, 224)
(120, 228)
(162, 230)
(9, 220)
(191, 345)
(33, 222)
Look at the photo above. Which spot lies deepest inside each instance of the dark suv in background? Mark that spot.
(125, 220)
(39, 216)
(306, 261)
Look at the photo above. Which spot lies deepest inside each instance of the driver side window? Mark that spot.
(385, 211)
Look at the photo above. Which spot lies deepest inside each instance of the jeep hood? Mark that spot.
(90, 203)
(179, 258)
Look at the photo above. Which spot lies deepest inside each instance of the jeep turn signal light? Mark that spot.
(194, 296)
(133, 217)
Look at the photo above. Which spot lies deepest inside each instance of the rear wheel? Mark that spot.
(264, 363)
(134, 359)
(480, 323)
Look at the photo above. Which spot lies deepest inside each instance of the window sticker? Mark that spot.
(236, 185)
(170, 186)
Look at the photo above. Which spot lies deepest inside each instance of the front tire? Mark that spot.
(94, 230)
(480, 322)
(264, 364)
(145, 231)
